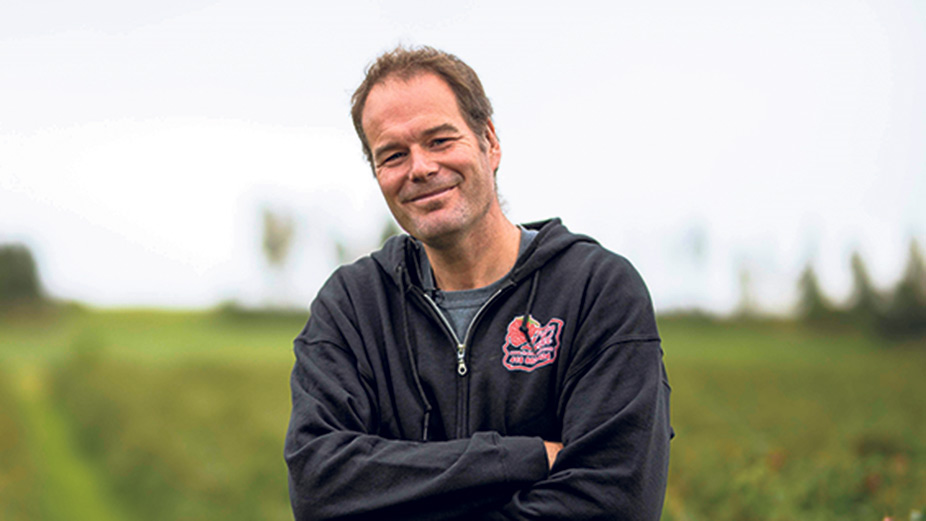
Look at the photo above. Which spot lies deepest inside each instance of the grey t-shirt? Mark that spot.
(460, 307)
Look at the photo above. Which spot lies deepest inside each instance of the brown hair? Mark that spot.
(409, 62)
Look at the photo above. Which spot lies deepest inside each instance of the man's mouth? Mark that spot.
(420, 198)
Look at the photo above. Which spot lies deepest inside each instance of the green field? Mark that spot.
(155, 415)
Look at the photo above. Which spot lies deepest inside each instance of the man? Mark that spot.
(472, 369)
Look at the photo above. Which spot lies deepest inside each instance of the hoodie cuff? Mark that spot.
(524, 459)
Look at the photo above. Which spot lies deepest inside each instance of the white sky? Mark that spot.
(140, 140)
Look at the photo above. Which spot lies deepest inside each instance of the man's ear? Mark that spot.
(493, 147)
(489, 134)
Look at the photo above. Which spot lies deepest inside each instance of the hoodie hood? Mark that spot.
(400, 253)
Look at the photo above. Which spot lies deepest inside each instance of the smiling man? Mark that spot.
(473, 368)
(438, 178)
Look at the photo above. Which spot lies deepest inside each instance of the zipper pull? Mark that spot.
(461, 361)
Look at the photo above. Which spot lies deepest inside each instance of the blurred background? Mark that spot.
(177, 179)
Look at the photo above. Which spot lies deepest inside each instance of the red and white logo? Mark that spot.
(537, 349)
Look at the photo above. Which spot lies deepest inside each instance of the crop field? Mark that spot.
(142, 415)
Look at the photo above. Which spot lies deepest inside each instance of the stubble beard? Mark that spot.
(447, 230)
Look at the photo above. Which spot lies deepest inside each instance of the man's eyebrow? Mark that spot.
(392, 145)
(445, 127)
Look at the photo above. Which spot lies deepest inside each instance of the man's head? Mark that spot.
(435, 171)
(404, 64)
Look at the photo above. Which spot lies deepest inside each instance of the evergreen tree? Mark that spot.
(813, 305)
(865, 304)
(906, 315)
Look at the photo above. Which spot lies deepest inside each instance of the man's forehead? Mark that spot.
(425, 98)
(396, 92)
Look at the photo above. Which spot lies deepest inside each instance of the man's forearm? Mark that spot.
(349, 474)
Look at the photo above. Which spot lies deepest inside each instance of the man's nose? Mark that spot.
(422, 164)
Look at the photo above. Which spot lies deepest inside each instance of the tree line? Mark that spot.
(898, 312)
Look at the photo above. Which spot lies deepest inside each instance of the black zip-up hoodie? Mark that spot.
(393, 419)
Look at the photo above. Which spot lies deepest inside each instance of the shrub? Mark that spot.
(19, 281)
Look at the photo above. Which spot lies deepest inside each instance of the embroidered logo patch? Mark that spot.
(537, 349)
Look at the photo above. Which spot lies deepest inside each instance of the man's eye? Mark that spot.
(392, 158)
(436, 142)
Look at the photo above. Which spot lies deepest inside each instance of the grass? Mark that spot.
(19, 482)
(71, 487)
(194, 441)
(151, 414)
(777, 422)
(150, 336)
(180, 415)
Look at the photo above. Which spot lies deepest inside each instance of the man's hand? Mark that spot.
(553, 448)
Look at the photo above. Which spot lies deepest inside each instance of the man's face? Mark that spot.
(437, 176)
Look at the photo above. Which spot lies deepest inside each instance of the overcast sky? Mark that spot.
(139, 141)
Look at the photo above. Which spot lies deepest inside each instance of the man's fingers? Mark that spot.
(553, 448)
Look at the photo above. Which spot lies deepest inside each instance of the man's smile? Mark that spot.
(428, 195)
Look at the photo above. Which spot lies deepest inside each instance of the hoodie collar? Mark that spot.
(400, 253)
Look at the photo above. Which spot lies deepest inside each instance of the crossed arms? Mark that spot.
(612, 463)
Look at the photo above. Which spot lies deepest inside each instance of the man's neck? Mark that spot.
(477, 259)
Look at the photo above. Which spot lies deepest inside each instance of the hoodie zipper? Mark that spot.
(462, 369)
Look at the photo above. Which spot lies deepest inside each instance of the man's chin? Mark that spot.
(434, 231)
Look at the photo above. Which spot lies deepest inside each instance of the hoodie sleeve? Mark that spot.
(340, 468)
(614, 407)
(614, 462)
